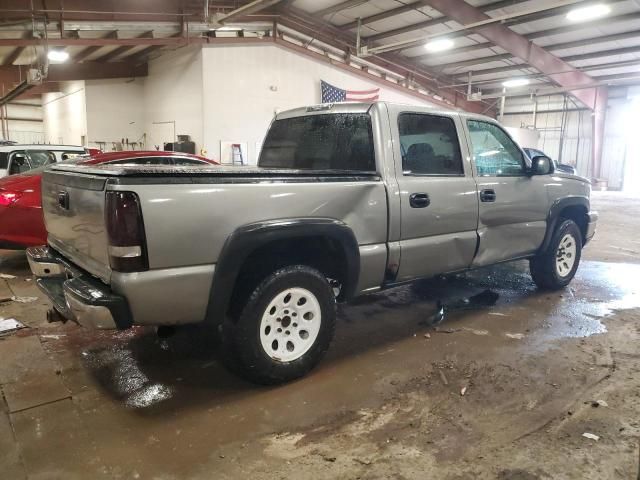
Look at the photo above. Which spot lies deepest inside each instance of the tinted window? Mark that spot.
(4, 160)
(19, 163)
(429, 145)
(494, 153)
(188, 161)
(333, 141)
(144, 161)
(40, 158)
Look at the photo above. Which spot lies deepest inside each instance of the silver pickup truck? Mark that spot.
(347, 199)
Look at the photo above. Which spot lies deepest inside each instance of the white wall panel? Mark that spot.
(245, 85)
(115, 111)
(173, 92)
(65, 115)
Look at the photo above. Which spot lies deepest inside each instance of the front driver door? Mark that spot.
(513, 205)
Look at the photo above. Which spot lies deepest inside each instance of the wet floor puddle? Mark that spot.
(141, 371)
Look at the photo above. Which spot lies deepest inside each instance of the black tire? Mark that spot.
(250, 359)
(543, 266)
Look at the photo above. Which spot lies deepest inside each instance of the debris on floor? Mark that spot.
(52, 337)
(591, 436)
(6, 276)
(443, 377)
(599, 403)
(476, 331)
(515, 336)
(10, 324)
(486, 298)
(24, 299)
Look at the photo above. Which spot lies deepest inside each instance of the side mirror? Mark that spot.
(541, 165)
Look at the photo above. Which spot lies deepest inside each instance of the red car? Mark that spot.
(21, 222)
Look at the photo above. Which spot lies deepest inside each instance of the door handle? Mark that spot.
(419, 200)
(488, 195)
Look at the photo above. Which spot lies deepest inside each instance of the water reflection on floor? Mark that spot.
(493, 306)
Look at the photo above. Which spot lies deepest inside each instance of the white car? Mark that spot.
(16, 158)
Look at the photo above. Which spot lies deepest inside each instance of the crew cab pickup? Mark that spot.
(346, 199)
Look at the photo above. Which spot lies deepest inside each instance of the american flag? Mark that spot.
(331, 94)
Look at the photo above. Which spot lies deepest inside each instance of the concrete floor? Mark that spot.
(504, 388)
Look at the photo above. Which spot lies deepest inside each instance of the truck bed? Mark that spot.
(186, 210)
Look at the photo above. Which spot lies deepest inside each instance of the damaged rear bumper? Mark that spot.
(75, 294)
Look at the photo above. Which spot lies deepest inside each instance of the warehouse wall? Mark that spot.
(114, 111)
(568, 137)
(213, 94)
(65, 114)
(25, 131)
(245, 85)
(173, 92)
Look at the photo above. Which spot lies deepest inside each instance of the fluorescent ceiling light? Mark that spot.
(58, 55)
(590, 12)
(515, 82)
(439, 45)
(228, 29)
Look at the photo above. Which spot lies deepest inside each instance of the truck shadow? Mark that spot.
(154, 376)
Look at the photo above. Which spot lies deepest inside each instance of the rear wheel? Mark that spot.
(554, 268)
(286, 326)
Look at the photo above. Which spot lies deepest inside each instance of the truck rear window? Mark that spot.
(4, 160)
(340, 141)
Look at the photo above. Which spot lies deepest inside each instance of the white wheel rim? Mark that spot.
(290, 324)
(566, 255)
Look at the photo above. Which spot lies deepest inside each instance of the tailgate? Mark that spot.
(73, 207)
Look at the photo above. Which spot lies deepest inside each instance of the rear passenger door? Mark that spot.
(513, 205)
(439, 205)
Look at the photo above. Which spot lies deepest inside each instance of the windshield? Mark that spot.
(40, 158)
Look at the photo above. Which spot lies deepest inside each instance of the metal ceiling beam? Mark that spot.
(38, 90)
(86, 52)
(627, 17)
(70, 42)
(415, 5)
(95, 71)
(120, 50)
(542, 89)
(569, 58)
(521, 19)
(248, 9)
(437, 21)
(497, 82)
(338, 8)
(142, 56)
(383, 15)
(156, 10)
(305, 24)
(13, 56)
(556, 69)
(550, 48)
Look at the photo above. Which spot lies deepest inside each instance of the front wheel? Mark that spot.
(286, 326)
(554, 268)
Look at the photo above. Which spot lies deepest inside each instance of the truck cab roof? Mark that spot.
(364, 107)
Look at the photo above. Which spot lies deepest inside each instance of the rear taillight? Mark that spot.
(127, 247)
(7, 197)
